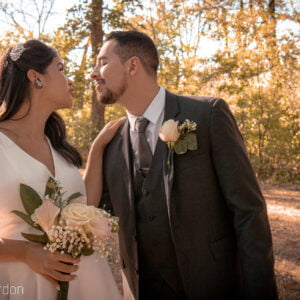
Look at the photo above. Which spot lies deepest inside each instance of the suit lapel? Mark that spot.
(125, 146)
(172, 110)
(127, 165)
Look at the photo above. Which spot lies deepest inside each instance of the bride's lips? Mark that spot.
(71, 91)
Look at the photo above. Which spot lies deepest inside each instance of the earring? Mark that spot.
(37, 84)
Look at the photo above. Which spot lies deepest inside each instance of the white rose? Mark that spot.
(46, 214)
(78, 214)
(169, 131)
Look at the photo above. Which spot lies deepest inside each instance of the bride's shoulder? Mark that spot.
(4, 155)
(1, 142)
(4, 144)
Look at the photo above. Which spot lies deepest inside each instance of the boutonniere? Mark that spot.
(179, 138)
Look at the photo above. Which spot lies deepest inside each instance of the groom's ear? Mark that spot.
(134, 64)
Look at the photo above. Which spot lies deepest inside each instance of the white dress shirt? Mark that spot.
(155, 114)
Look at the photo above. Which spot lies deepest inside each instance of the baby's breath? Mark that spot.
(73, 240)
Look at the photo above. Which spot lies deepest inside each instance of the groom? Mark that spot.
(193, 229)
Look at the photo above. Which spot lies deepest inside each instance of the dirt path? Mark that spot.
(284, 215)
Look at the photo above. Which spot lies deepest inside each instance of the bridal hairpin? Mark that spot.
(16, 52)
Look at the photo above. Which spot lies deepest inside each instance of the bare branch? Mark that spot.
(28, 14)
(48, 14)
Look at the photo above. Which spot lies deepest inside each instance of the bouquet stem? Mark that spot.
(64, 288)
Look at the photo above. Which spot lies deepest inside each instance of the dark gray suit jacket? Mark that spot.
(217, 214)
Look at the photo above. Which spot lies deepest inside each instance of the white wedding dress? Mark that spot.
(17, 280)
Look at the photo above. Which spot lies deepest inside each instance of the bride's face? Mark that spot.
(57, 87)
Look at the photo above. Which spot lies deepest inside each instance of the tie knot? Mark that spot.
(141, 125)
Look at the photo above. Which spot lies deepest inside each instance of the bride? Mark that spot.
(32, 148)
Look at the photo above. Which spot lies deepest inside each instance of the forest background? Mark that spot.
(244, 51)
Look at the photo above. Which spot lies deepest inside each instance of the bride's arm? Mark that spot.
(12, 250)
(93, 176)
(51, 266)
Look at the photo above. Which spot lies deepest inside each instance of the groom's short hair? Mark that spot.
(134, 43)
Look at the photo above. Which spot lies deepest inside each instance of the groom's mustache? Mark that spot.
(100, 81)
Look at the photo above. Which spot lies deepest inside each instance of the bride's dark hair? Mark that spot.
(14, 87)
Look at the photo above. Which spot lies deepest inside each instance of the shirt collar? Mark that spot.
(153, 111)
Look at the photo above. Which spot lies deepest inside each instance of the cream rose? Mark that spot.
(78, 214)
(169, 131)
(45, 215)
(87, 216)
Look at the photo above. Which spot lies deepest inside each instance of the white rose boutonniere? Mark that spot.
(169, 131)
(180, 138)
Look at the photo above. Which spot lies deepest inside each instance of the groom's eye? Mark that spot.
(102, 62)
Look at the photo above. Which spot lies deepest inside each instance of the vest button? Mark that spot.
(137, 272)
(145, 192)
(151, 218)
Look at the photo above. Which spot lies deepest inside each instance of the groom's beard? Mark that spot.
(109, 97)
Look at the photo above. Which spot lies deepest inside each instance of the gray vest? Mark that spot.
(157, 259)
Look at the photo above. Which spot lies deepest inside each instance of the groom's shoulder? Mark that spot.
(198, 100)
(192, 102)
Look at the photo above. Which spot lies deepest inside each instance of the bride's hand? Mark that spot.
(107, 133)
(50, 265)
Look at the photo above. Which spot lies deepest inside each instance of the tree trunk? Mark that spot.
(272, 17)
(79, 79)
(272, 36)
(272, 8)
(96, 40)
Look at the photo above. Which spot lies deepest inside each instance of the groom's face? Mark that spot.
(109, 75)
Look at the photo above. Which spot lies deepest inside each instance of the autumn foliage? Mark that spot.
(253, 64)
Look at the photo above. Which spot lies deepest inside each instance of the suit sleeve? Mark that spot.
(246, 203)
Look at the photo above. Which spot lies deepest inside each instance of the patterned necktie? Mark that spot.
(144, 151)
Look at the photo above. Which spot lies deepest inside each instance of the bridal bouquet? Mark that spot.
(67, 225)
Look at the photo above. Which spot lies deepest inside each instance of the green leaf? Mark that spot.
(87, 251)
(42, 239)
(74, 196)
(191, 140)
(30, 198)
(27, 219)
(180, 147)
